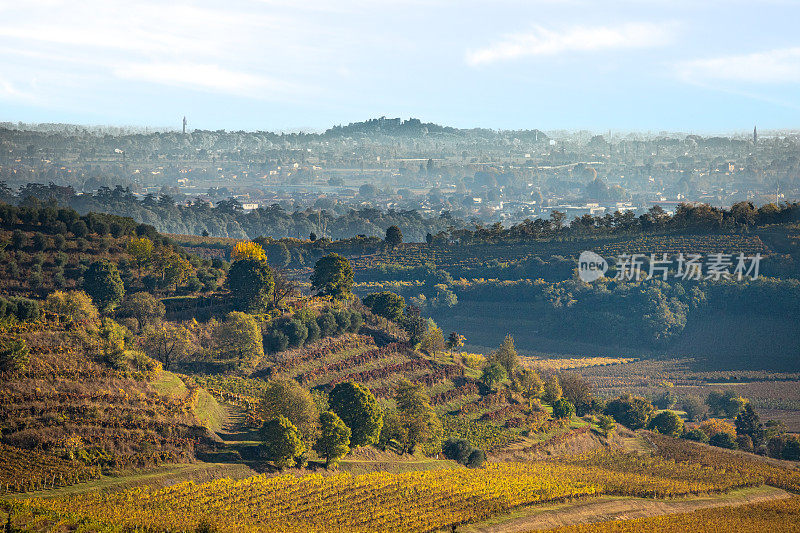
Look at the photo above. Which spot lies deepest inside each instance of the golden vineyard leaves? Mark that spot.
(406, 502)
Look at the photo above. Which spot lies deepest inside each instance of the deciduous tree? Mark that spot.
(359, 410)
(334, 440)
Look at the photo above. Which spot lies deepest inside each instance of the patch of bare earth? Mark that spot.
(606, 508)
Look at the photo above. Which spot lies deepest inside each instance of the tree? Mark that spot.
(239, 337)
(748, 423)
(563, 408)
(725, 403)
(251, 283)
(14, 355)
(141, 249)
(493, 375)
(394, 237)
(694, 408)
(506, 355)
(462, 451)
(712, 426)
(418, 419)
(287, 398)
(606, 425)
(696, 434)
(167, 342)
(71, 307)
(248, 250)
(333, 276)
(103, 283)
(552, 390)
(284, 287)
(667, 423)
(386, 304)
(359, 410)
(176, 270)
(282, 442)
(455, 340)
(576, 389)
(530, 384)
(631, 411)
(433, 341)
(142, 306)
(334, 440)
(723, 440)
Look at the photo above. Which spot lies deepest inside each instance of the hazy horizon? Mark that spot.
(277, 66)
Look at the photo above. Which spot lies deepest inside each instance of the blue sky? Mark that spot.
(699, 66)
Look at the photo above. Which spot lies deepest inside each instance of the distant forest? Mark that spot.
(227, 219)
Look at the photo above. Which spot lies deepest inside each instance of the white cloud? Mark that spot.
(541, 41)
(206, 77)
(775, 66)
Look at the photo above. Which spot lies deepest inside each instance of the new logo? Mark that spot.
(591, 266)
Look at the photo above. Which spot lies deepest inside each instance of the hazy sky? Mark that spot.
(701, 65)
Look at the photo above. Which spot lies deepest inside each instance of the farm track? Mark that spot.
(604, 508)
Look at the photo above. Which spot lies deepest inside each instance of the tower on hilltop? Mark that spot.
(755, 135)
(184, 125)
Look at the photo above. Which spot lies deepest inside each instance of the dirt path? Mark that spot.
(614, 508)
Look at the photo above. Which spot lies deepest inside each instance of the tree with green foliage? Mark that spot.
(394, 237)
(433, 341)
(167, 342)
(667, 423)
(748, 423)
(506, 355)
(334, 439)
(418, 419)
(696, 434)
(282, 442)
(455, 340)
(606, 425)
(359, 410)
(103, 283)
(239, 337)
(386, 304)
(631, 411)
(493, 375)
(14, 355)
(333, 276)
(287, 398)
(251, 284)
(725, 403)
(563, 409)
(552, 390)
(723, 440)
(463, 452)
(144, 307)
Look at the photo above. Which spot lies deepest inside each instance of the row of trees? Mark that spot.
(348, 417)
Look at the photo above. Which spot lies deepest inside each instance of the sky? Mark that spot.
(282, 65)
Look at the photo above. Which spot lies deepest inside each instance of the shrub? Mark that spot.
(667, 423)
(563, 408)
(631, 411)
(276, 341)
(723, 440)
(696, 434)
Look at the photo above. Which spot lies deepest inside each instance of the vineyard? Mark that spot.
(30, 470)
(414, 501)
(777, 516)
(68, 404)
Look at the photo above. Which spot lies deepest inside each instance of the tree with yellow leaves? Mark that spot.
(141, 249)
(248, 250)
